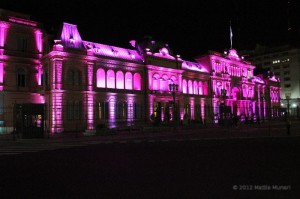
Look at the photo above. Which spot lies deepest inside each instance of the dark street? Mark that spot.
(222, 168)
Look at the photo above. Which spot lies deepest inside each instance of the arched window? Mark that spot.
(128, 81)
(155, 82)
(205, 88)
(137, 81)
(21, 77)
(110, 79)
(195, 87)
(120, 80)
(100, 78)
(164, 83)
(200, 88)
(184, 86)
(190, 86)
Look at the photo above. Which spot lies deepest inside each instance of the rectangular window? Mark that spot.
(74, 110)
(102, 110)
(287, 79)
(286, 72)
(70, 110)
(21, 80)
(285, 66)
(22, 44)
(287, 85)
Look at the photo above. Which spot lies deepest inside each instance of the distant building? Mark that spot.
(82, 85)
(283, 62)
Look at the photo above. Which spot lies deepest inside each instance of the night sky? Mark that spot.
(191, 28)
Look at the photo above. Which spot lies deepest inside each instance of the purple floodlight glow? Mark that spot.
(120, 80)
(128, 80)
(1, 75)
(101, 78)
(196, 89)
(22, 21)
(194, 66)
(110, 79)
(190, 87)
(233, 55)
(39, 74)
(57, 121)
(112, 51)
(3, 31)
(137, 81)
(70, 36)
(90, 111)
(38, 40)
(258, 80)
(57, 74)
(90, 77)
(184, 86)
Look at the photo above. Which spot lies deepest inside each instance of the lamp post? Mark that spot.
(288, 106)
(262, 96)
(174, 89)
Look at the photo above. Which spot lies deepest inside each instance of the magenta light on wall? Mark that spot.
(3, 30)
(90, 111)
(137, 81)
(1, 75)
(90, 76)
(110, 79)
(57, 71)
(39, 74)
(38, 39)
(128, 80)
(120, 80)
(57, 121)
(22, 21)
(101, 78)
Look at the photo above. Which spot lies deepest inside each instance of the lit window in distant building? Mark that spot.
(287, 85)
(285, 60)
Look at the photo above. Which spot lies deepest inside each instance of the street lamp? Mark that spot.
(288, 105)
(173, 89)
(262, 96)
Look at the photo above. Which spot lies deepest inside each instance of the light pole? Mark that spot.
(288, 106)
(174, 89)
(262, 96)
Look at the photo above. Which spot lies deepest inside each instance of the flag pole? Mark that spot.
(231, 35)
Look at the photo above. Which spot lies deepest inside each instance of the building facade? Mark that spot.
(283, 62)
(83, 85)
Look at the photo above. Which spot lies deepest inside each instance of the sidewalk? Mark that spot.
(187, 132)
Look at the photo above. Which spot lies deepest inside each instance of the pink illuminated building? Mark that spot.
(85, 84)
